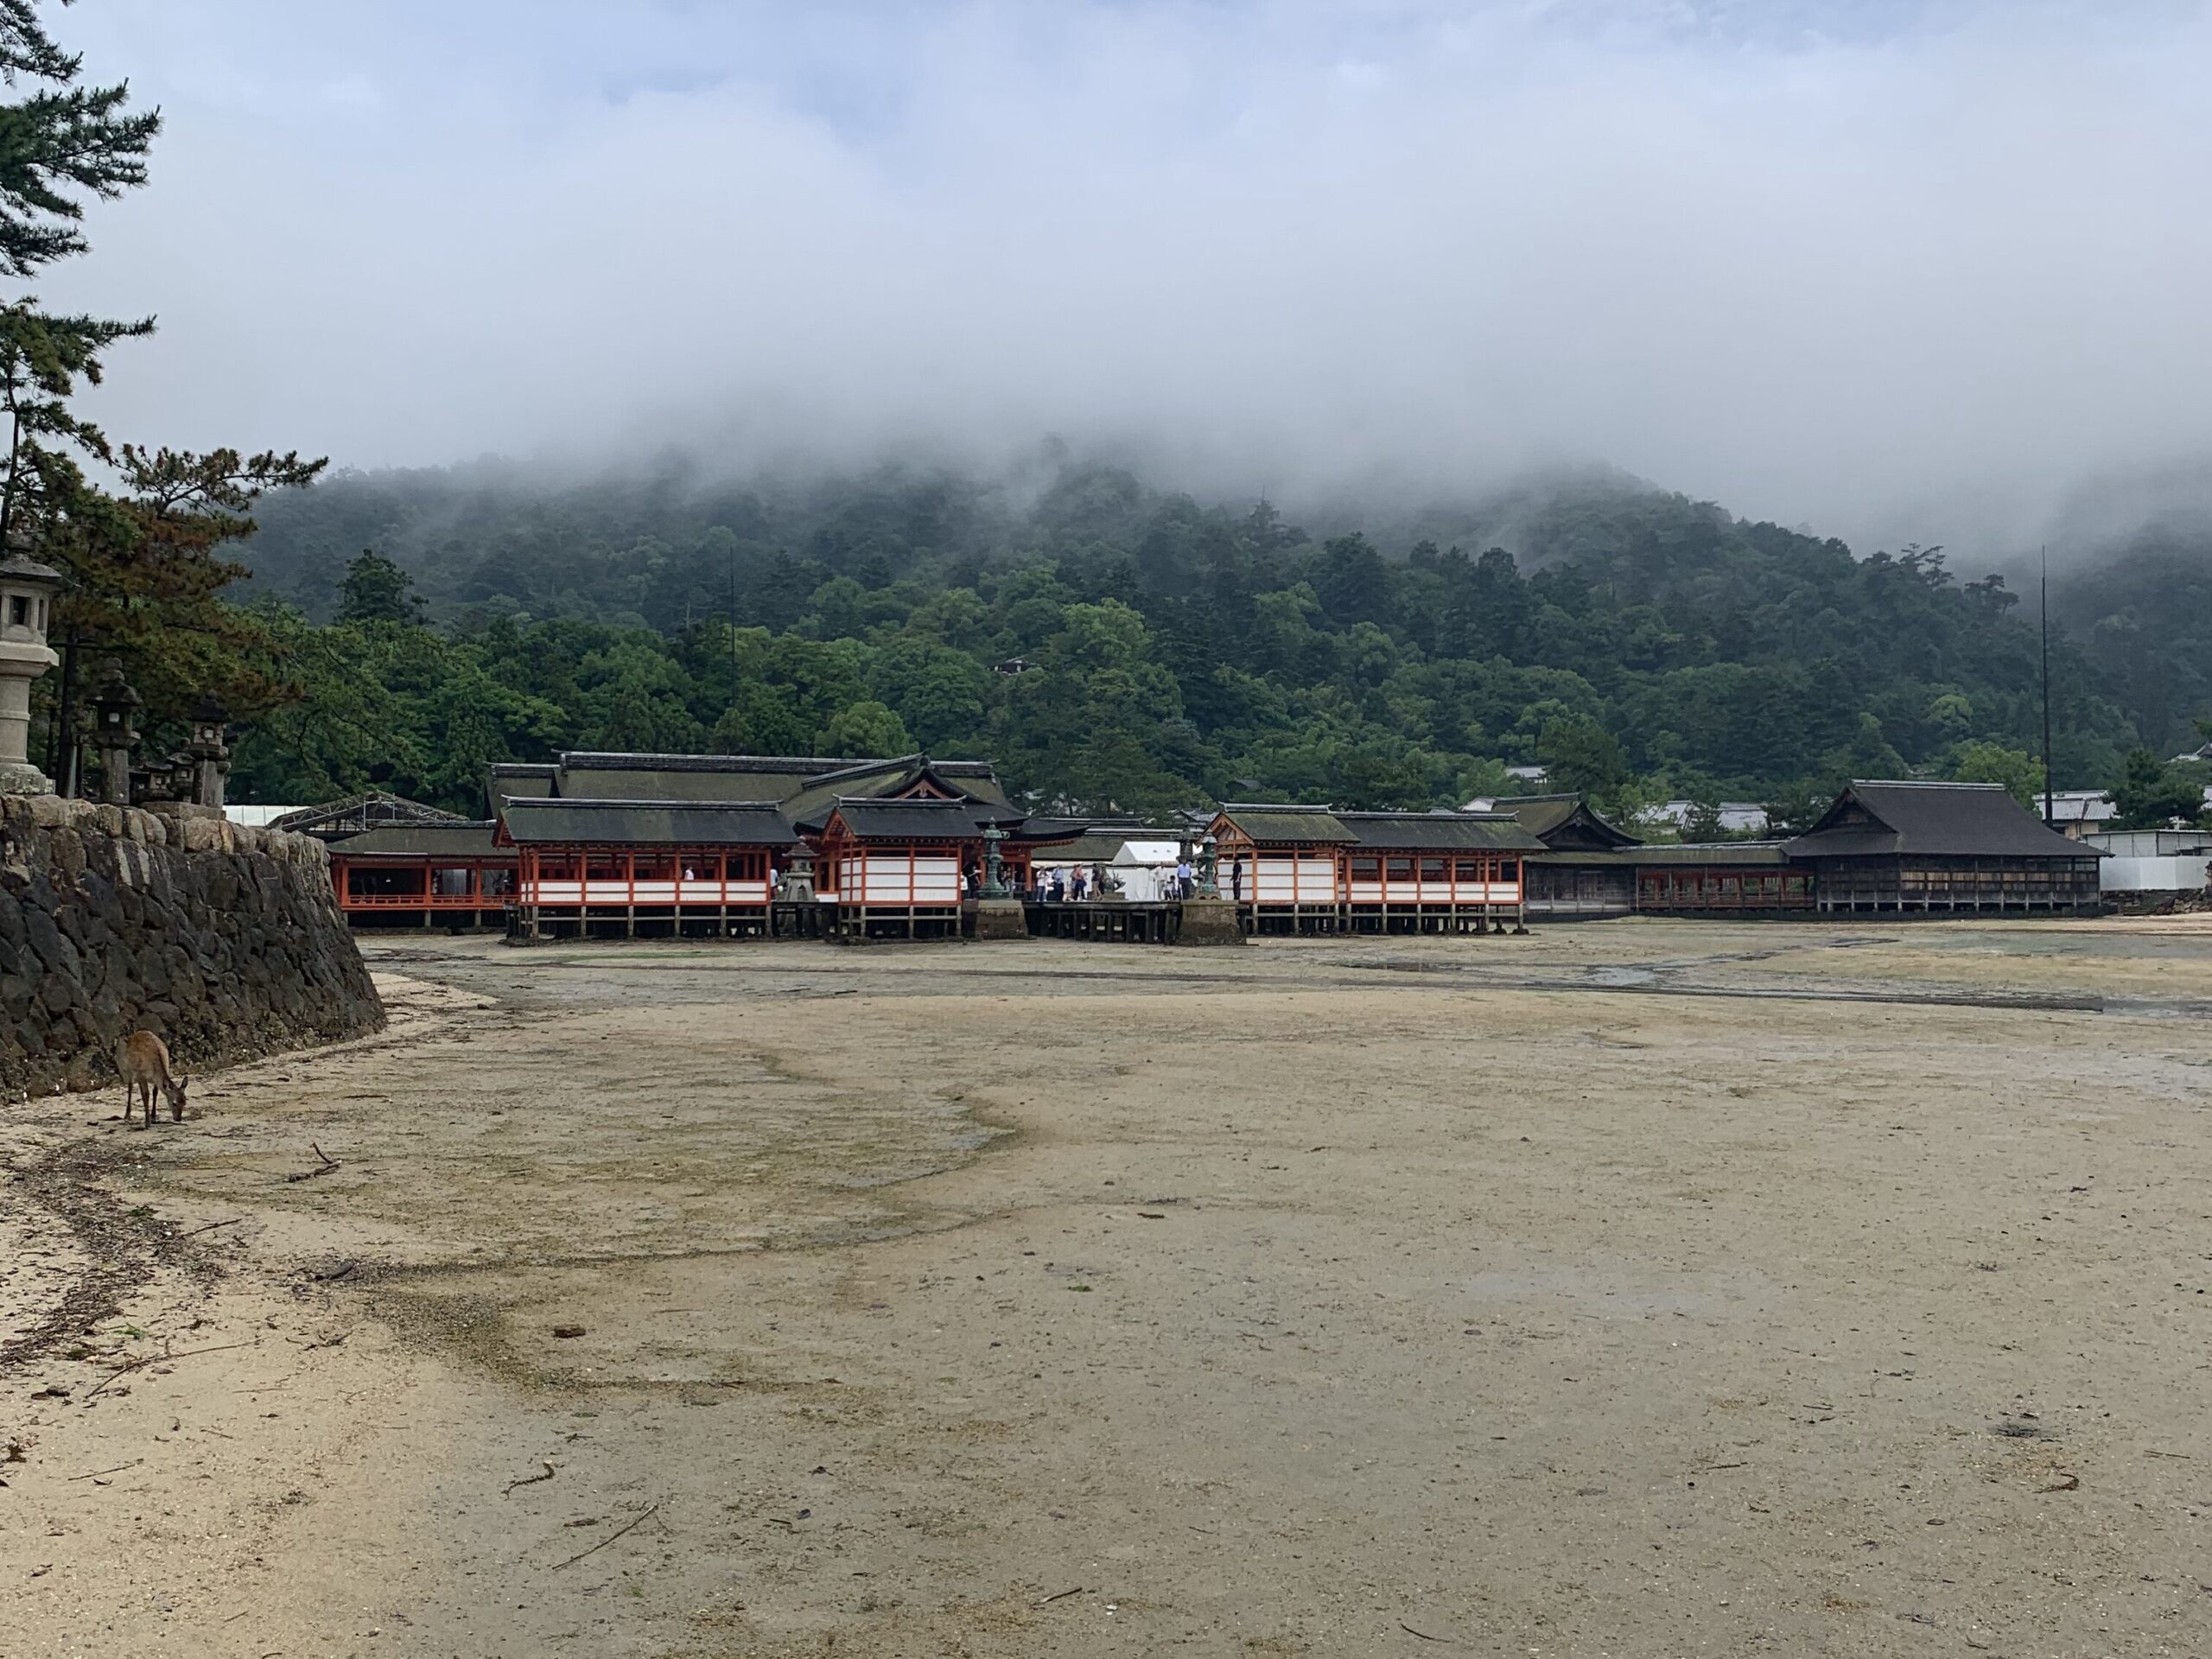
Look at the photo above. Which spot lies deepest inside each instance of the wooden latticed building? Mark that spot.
(1725, 878)
(1928, 848)
(1584, 869)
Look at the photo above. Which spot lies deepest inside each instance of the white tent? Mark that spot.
(1146, 869)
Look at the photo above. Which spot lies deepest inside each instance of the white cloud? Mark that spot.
(1876, 266)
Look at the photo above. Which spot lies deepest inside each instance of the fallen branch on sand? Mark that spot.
(131, 1365)
(327, 1163)
(212, 1226)
(118, 1470)
(1423, 1635)
(529, 1480)
(609, 1539)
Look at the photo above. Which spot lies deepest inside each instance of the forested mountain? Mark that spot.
(1116, 646)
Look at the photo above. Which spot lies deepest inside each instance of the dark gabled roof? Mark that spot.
(1884, 819)
(1711, 855)
(1058, 831)
(646, 779)
(807, 787)
(1269, 826)
(884, 780)
(657, 823)
(358, 813)
(1440, 831)
(872, 819)
(458, 839)
(519, 780)
(1567, 818)
(798, 765)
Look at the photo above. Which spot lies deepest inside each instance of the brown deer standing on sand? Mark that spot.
(144, 1059)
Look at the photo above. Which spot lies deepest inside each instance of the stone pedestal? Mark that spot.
(26, 586)
(1000, 918)
(1209, 921)
(21, 777)
(22, 661)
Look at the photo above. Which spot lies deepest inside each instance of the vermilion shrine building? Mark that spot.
(1302, 869)
(720, 846)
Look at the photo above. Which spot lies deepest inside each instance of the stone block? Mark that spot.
(1000, 918)
(201, 835)
(1209, 921)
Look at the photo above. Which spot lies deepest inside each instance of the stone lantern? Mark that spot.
(210, 751)
(27, 591)
(994, 863)
(115, 731)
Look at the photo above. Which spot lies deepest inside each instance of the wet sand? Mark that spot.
(1643, 1288)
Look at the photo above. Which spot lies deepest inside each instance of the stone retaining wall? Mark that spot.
(225, 940)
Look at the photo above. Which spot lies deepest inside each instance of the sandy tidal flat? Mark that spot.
(1643, 1288)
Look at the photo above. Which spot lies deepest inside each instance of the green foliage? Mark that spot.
(2152, 794)
(59, 144)
(377, 590)
(140, 548)
(865, 727)
(1120, 649)
(1992, 763)
(1578, 754)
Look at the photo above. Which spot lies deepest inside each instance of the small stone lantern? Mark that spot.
(994, 863)
(798, 876)
(115, 723)
(210, 751)
(27, 591)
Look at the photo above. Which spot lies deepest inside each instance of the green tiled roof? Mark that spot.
(655, 823)
(1278, 826)
(1442, 832)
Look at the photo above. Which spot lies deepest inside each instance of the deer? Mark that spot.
(144, 1059)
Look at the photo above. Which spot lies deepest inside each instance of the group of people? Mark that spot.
(1059, 887)
(1065, 886)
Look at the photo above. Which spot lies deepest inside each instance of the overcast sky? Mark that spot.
(1877, 265)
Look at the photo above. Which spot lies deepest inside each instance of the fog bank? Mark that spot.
(1894, 271)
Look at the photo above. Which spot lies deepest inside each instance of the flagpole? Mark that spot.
(2050, 817)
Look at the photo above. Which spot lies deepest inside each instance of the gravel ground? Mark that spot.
(1643, 1288)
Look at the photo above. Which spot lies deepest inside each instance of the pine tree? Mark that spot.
(61, 145)
(377, 590)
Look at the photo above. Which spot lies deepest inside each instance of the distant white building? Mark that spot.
(1737, 818)
(256, 817)
(2075, 813)
(2154, 861)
